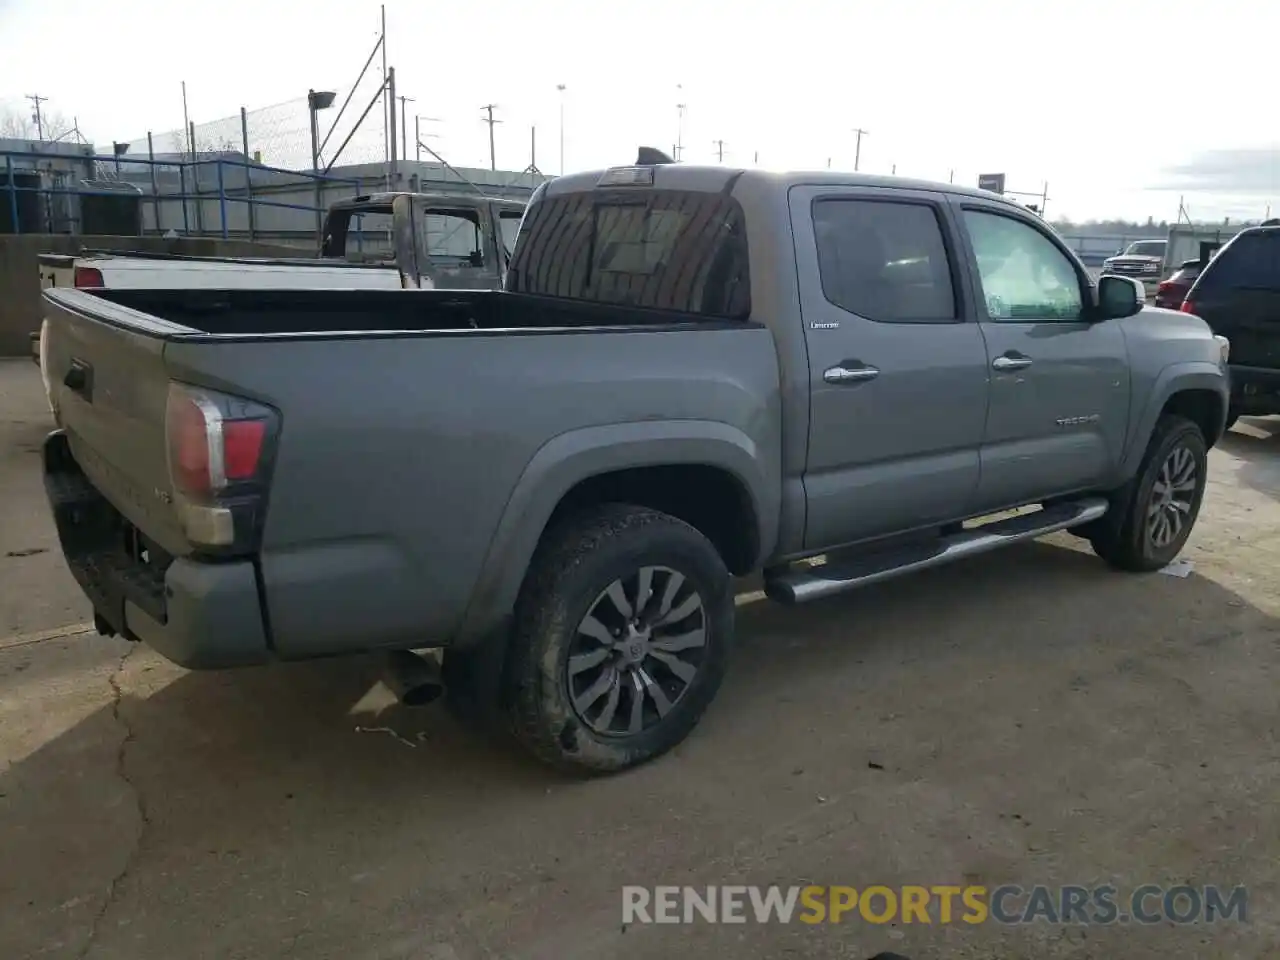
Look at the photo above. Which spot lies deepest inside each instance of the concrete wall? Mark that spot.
(20, 311)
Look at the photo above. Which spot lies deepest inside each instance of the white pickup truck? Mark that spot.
(378, 241)
(386, 241)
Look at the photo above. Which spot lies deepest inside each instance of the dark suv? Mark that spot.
(1238, 295)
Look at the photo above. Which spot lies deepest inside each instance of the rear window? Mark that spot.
(671, 250)
(363, 235)
(1250, 261)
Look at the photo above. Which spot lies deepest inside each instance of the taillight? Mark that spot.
(1187, 307)
(219, 451)
(88, 278)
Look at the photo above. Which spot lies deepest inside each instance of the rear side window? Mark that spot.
(884, 260)
(663, 249)
(451, 238)
(1251, 261)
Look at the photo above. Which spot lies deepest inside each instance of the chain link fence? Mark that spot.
(279, 135)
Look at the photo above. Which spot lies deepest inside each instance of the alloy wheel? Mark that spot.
(1172, 497)
(637, 651)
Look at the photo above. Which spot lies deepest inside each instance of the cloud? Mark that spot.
(1248, 171)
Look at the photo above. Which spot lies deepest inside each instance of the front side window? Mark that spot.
(884, 260)
(1024, 275)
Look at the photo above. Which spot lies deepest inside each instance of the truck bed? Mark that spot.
(417, 431)
(250, 313)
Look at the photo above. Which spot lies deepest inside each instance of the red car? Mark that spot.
(1170, 293)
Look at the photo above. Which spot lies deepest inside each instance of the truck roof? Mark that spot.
(437, 197)
(714, 179)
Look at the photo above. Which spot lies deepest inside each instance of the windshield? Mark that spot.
(1146, 248)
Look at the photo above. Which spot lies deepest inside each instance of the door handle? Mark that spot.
(850, 374)
(1010, 363)
(79, 377)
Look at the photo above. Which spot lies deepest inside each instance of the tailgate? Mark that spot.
(106, 372)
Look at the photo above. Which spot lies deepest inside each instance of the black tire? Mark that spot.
(569, 578)
(1122, 537)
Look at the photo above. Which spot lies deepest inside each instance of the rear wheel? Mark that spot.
(1152, 516)
(623, 631)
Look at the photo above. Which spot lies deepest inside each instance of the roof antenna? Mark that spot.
(651, 156)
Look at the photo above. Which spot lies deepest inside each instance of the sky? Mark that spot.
(1117, 107)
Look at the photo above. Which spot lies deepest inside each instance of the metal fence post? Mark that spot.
(182, 190)
(195, 176)
(155, 194)
(222, 200)
(248, 178)
(13, 194)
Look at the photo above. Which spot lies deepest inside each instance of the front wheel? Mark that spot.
(1151, 518)
(623, 630)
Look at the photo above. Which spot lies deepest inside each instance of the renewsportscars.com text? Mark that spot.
(942, 904)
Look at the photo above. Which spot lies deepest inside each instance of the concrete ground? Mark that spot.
(1027, 718)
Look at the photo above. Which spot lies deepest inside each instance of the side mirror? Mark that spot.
(1119, 297)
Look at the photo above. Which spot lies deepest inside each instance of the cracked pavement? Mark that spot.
(1029, 718)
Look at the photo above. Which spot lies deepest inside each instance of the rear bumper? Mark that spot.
(1255, 390)
(199, 615)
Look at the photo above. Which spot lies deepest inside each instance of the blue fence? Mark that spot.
(208, 195)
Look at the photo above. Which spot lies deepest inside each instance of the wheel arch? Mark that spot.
(654, 463)
(1196, 390)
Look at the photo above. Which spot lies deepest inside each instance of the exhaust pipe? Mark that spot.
(413, 679)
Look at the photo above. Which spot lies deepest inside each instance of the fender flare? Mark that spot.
(569, 458)
(1189, 375)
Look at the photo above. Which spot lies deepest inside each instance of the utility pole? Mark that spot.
(404, 128)
(388, 106)
(36, 100)
(493, 153)
(560, 89)
(719, 150)
(392, 176)
(857, 147)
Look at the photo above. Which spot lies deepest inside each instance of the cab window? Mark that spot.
(1023, 273)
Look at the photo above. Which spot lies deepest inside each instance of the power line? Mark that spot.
(493, 153)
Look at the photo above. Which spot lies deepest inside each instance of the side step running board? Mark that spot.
(795, 584)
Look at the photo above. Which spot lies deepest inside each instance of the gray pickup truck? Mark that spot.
(691, 374)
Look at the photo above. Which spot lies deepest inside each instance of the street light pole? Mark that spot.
(317, 101)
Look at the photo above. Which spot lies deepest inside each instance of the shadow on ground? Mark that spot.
(1256, 440)
(898, 730)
